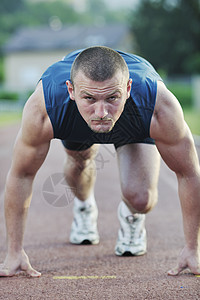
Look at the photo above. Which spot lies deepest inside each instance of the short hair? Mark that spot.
(99, 63)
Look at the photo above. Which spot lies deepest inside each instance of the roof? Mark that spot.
(69, 37)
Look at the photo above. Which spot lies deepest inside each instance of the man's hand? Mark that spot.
(187, 259)
(14, 264)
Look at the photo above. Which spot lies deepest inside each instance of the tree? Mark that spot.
(15, 14)
(168, 34)
(10, 6)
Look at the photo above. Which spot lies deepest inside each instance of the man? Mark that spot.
(96, 96)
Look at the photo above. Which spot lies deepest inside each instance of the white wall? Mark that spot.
(23, 69)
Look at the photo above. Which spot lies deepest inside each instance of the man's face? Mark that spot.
(100, 103)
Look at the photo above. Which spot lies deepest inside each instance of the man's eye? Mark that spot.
(89, 98)
(112, 98)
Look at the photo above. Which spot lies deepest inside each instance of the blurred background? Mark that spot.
(36, 33)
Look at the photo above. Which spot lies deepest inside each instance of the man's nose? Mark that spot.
(101, 109)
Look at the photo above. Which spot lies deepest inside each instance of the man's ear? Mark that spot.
(129, 85)
(70, 89)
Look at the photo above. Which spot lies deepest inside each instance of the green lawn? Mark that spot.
(192, 117)
(7, 118)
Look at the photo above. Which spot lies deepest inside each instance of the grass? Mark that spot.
(8, 118)
(192, 118)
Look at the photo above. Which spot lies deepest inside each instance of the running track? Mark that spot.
(98, 273)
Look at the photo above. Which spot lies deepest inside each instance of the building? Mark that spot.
(31, 50)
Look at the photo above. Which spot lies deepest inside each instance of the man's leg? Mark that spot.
(80, 174)
(139, 166)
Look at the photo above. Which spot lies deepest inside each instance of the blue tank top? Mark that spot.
(134, 123)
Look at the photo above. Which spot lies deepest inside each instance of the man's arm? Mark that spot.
(30, 150)
(176, 146)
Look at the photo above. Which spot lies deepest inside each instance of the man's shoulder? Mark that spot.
(139, 66)
(57, 72)
(54, 83)
(142, 72)
(35, 118)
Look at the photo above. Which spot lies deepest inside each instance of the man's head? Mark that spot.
(100, 85)
(99, 64)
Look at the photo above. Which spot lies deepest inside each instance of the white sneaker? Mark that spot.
(84, 226)
(131, 235)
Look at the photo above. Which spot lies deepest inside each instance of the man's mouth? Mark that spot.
(101, 121)
(101, 125)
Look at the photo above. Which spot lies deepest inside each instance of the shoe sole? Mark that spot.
(85, 242)
(129, 253)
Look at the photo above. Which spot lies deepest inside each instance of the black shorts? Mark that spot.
(84, 146)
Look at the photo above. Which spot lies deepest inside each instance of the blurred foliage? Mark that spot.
(192, 118)
(6, 95)
(29, 13)
(15, 14)
(182, 91)
(168, 34)
(1, 69)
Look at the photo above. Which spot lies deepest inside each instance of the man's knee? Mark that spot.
(141, 201)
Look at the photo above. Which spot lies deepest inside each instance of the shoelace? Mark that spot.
(83, 218)
(131, 219)
(130, 234)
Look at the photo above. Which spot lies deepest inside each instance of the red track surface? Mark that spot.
(47, 243)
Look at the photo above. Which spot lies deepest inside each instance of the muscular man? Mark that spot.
(97, 96)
